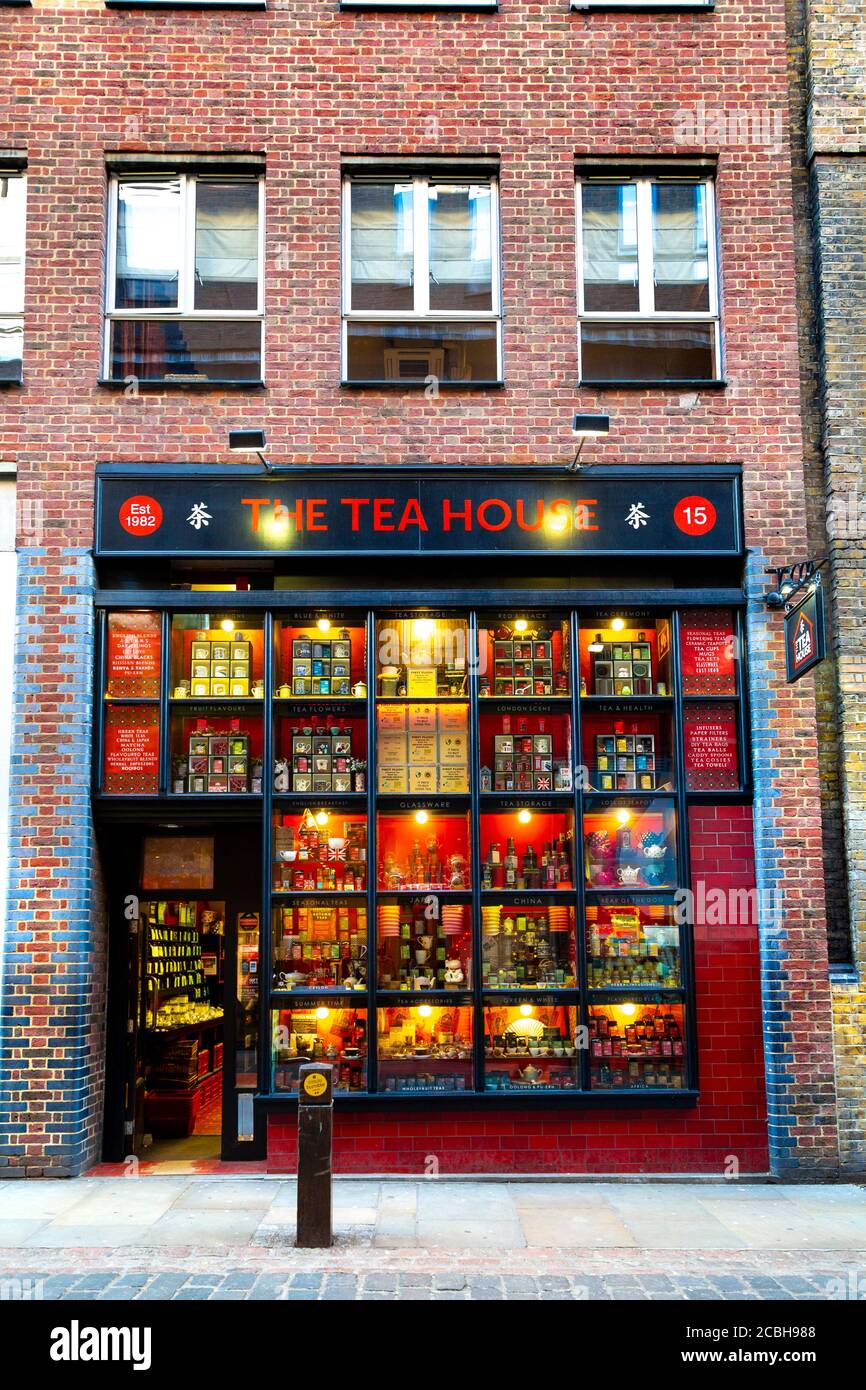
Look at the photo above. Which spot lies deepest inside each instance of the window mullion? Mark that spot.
(186, 273)
(421, 246)
(646, 286)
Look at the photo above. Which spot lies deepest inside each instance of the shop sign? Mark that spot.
(805, 643)
(710, 747)
(707, 652)
(131, 750)
(403, 512)
(133, 655)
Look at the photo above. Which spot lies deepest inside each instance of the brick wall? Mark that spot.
(533, 85)
(726, 1132)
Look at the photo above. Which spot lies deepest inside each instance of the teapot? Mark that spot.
(531, 1074)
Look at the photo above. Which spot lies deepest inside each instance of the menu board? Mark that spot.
(131, 760)
(133, 655)
(710, 747)
(707, 645)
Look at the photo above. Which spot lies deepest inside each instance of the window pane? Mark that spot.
(647, 352)
(228, 350)
(610, 267)
(412, 352)
(680, 252)
(148, 244)
(461, 264)
(528, 1047)
(11, 245)
(11, 349)
(382, 246)
(226, 245)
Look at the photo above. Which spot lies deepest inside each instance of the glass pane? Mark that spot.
(425, 1048)
(527, 850)
(322, 1034)
(324, 658)
(708, 652)
(148, 244)
(680, 253)
(320, 944)
(525, 752)
(12, 232)
(710, 746)
(610, 257)
(631, 846)
(524, 657)
(183, 987)
(527, 946)
(382, 246)
(247, 1004)
(530, 1047)
(186, 350)
(627, 752)
(424, 944)
(422, 749)
(11, 349)
(647, 351)
(317, 753)
(131, 752)
(637, 1047)
(133, 655)
(422, 658)
(421, 850)
(632, 944)
(226, 245)
(625, 656)
(216, 656)
(319, 852)
(216, 752)
(411, 352)
(461, 246)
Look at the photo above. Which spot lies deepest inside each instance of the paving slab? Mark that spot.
(15, 1233)
(223, 1195)
(89, 1237)
(455, 1235)
(576, 1229)
(203, 1227)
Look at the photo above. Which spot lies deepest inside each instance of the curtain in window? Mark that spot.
(680, 251)
(148, 244)
(382, 237)
(460, 246)
(226, 245)
(609, 233)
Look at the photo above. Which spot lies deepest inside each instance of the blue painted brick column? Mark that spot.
(52, 1004)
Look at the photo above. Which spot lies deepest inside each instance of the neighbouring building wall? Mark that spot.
(7, 641)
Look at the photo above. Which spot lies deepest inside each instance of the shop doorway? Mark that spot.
(183, 992)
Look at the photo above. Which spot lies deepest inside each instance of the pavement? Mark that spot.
(232, 1238)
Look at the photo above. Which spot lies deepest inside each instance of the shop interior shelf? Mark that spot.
(337, 894)
(509, 894)
(216, 702)
(647, 701)
(536, 703)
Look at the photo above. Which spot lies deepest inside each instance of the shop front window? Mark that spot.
(637, 1047)
(425, 1048)
(531, 1047)
(424, 944)
(630, 844)
(320, 1033)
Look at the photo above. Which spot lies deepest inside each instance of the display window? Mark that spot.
(320, 1033)
(422, 748)
(531, 1047)
(321, 944)
(216, 751)
(525, 849)
(422, 657)
(320, 658)
(637, 1047)
(631, 945)
(631, 846)
(424, 944)
(423, 849)
(709, 652)
(625, 656)
(527, 944)
(627, 749)
(425, 1048)
(133, 656)
(521, 751)
(323, 851)
(217, 657)
(526, 657)
(319, 752)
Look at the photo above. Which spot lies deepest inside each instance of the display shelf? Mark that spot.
(334, 801)
(215, 702)
(537, 800)
(307, 894)
(645, 701)
(527, 896)
(532, 704)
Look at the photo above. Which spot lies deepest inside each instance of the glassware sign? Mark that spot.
(707, 652)
(133, 655)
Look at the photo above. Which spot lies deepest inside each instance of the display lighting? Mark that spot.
(524, 817)
(227, 625)
(521, 625)
(421, 817)
(322, 1012)
(424, 1011)
(618, 624)
(324, 624)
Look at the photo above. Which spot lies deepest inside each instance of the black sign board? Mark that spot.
(401, 512)
(805, 643)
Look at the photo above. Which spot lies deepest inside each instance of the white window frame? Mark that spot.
(421, 312)
(646, 312)
(16, 316)
(186, 275)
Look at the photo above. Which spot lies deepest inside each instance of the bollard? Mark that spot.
(315, 1133)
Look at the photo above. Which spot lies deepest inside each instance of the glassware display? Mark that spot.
(531, 1047)
(635, 1046)
(425, 1048)
(319, 852)
(422, 658)
(322, 658)
(625, 657)
(524, 657)
(424, 944)
(527, 947)
(527, 849)
(630, 846)
(320, 1033)
(319, 944)
(632, 945)
(423, 850)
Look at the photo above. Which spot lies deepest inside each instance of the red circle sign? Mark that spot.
(140, 516)
(695, 515)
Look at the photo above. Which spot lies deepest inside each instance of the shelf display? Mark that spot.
(528, 1047)
(526, 850)
(425, 1048)
(422, 749)
(708, 652)
(634, 1046)
(630, 847)
(320, 1034)
(216, 753)
(133, 656)
(321, 852)
(627, 749)
(423, 849)
(422, 658)
(522, 752)
(216, 658)
(424, 945)
(625, 656)
(320, 945)
(524, 657)
(322, 658)
(316, 759)
(178, 993)
(632, 944)
(527, 945)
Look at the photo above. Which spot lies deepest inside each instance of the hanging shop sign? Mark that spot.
(164, 510)
(805, 643)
